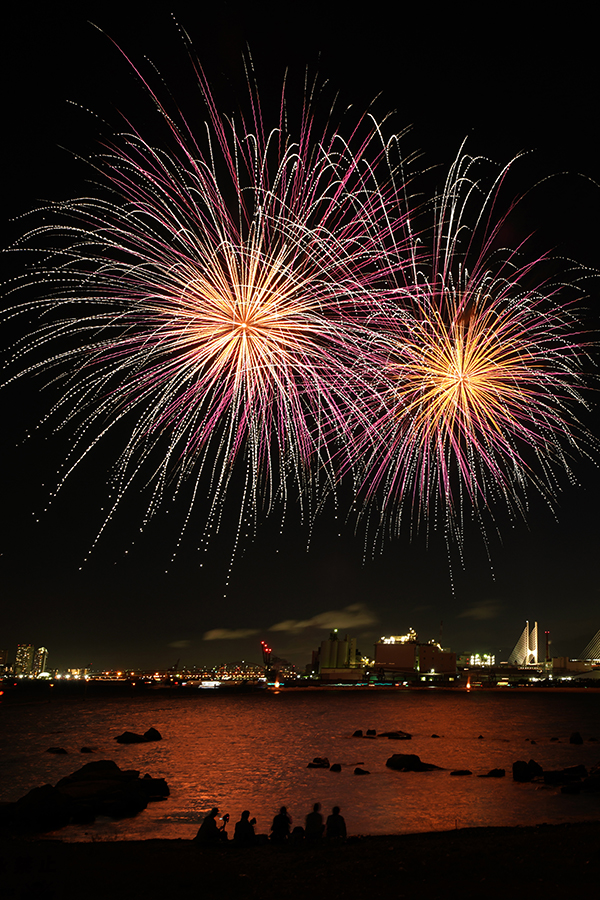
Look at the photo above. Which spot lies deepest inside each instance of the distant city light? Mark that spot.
(482, 659)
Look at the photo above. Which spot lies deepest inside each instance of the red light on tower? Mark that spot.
(266, 653)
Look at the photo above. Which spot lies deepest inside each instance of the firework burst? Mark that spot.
(481, 377)
(215, 301)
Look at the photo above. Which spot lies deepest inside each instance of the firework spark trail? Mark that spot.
(254, 298)
(216, 300)
(481, 378)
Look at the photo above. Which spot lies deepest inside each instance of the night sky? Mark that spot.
(518, 84)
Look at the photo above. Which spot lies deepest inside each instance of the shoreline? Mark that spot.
(488, 861)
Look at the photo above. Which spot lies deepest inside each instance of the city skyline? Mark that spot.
(122, 601)
(30, 662)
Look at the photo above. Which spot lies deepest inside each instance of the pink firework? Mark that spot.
(216, 298)
(481, 376)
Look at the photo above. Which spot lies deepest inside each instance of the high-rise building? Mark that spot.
(24, 659)
(3, 660)
(39, 661)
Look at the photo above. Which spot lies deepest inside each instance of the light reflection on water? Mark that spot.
(251, 752)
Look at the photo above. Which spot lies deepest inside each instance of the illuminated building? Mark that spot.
(24, 659)
(39, 661)
(405, 654)
(3, 660)
(525, 651)
(478, 660)
(399, 653)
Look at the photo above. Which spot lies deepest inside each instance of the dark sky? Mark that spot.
(507, 84)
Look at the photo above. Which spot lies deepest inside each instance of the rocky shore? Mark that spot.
(548, 860)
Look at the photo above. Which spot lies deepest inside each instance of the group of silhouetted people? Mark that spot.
(334, 827)
(210, 833)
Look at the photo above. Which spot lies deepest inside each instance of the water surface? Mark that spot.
(251, 752)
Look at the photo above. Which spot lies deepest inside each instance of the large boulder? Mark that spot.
(98, 788)
(102, 788)
(42, 809)
(576, 738)
(396, 735)
(526, 771)
(154, 788)
(319, 762)
(409, 762)
(99, 770)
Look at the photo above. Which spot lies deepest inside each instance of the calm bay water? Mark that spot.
(251, 752)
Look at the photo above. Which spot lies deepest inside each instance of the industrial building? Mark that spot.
(406, 656)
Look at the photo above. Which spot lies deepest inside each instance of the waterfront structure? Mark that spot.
(405, 654)
(24, 659)
(339, 660)
(563, 665)
(591, 653)
(525, 651)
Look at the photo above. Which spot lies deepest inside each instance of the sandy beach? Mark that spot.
(553, 860)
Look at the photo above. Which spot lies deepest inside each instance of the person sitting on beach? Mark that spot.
(336, 826)
(314, 827)
(209, 832)
(244, 835)
(280, 828)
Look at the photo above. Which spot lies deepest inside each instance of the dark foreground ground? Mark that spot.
(548, 860)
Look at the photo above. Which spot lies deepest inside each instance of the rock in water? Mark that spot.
(409, 762)
(526, 771)
(42, 809)
(130, 737)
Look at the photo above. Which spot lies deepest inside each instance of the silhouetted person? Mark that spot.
(209, 832)
(314, 827)
(336, 826)
(244, 835)
(280, 828)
